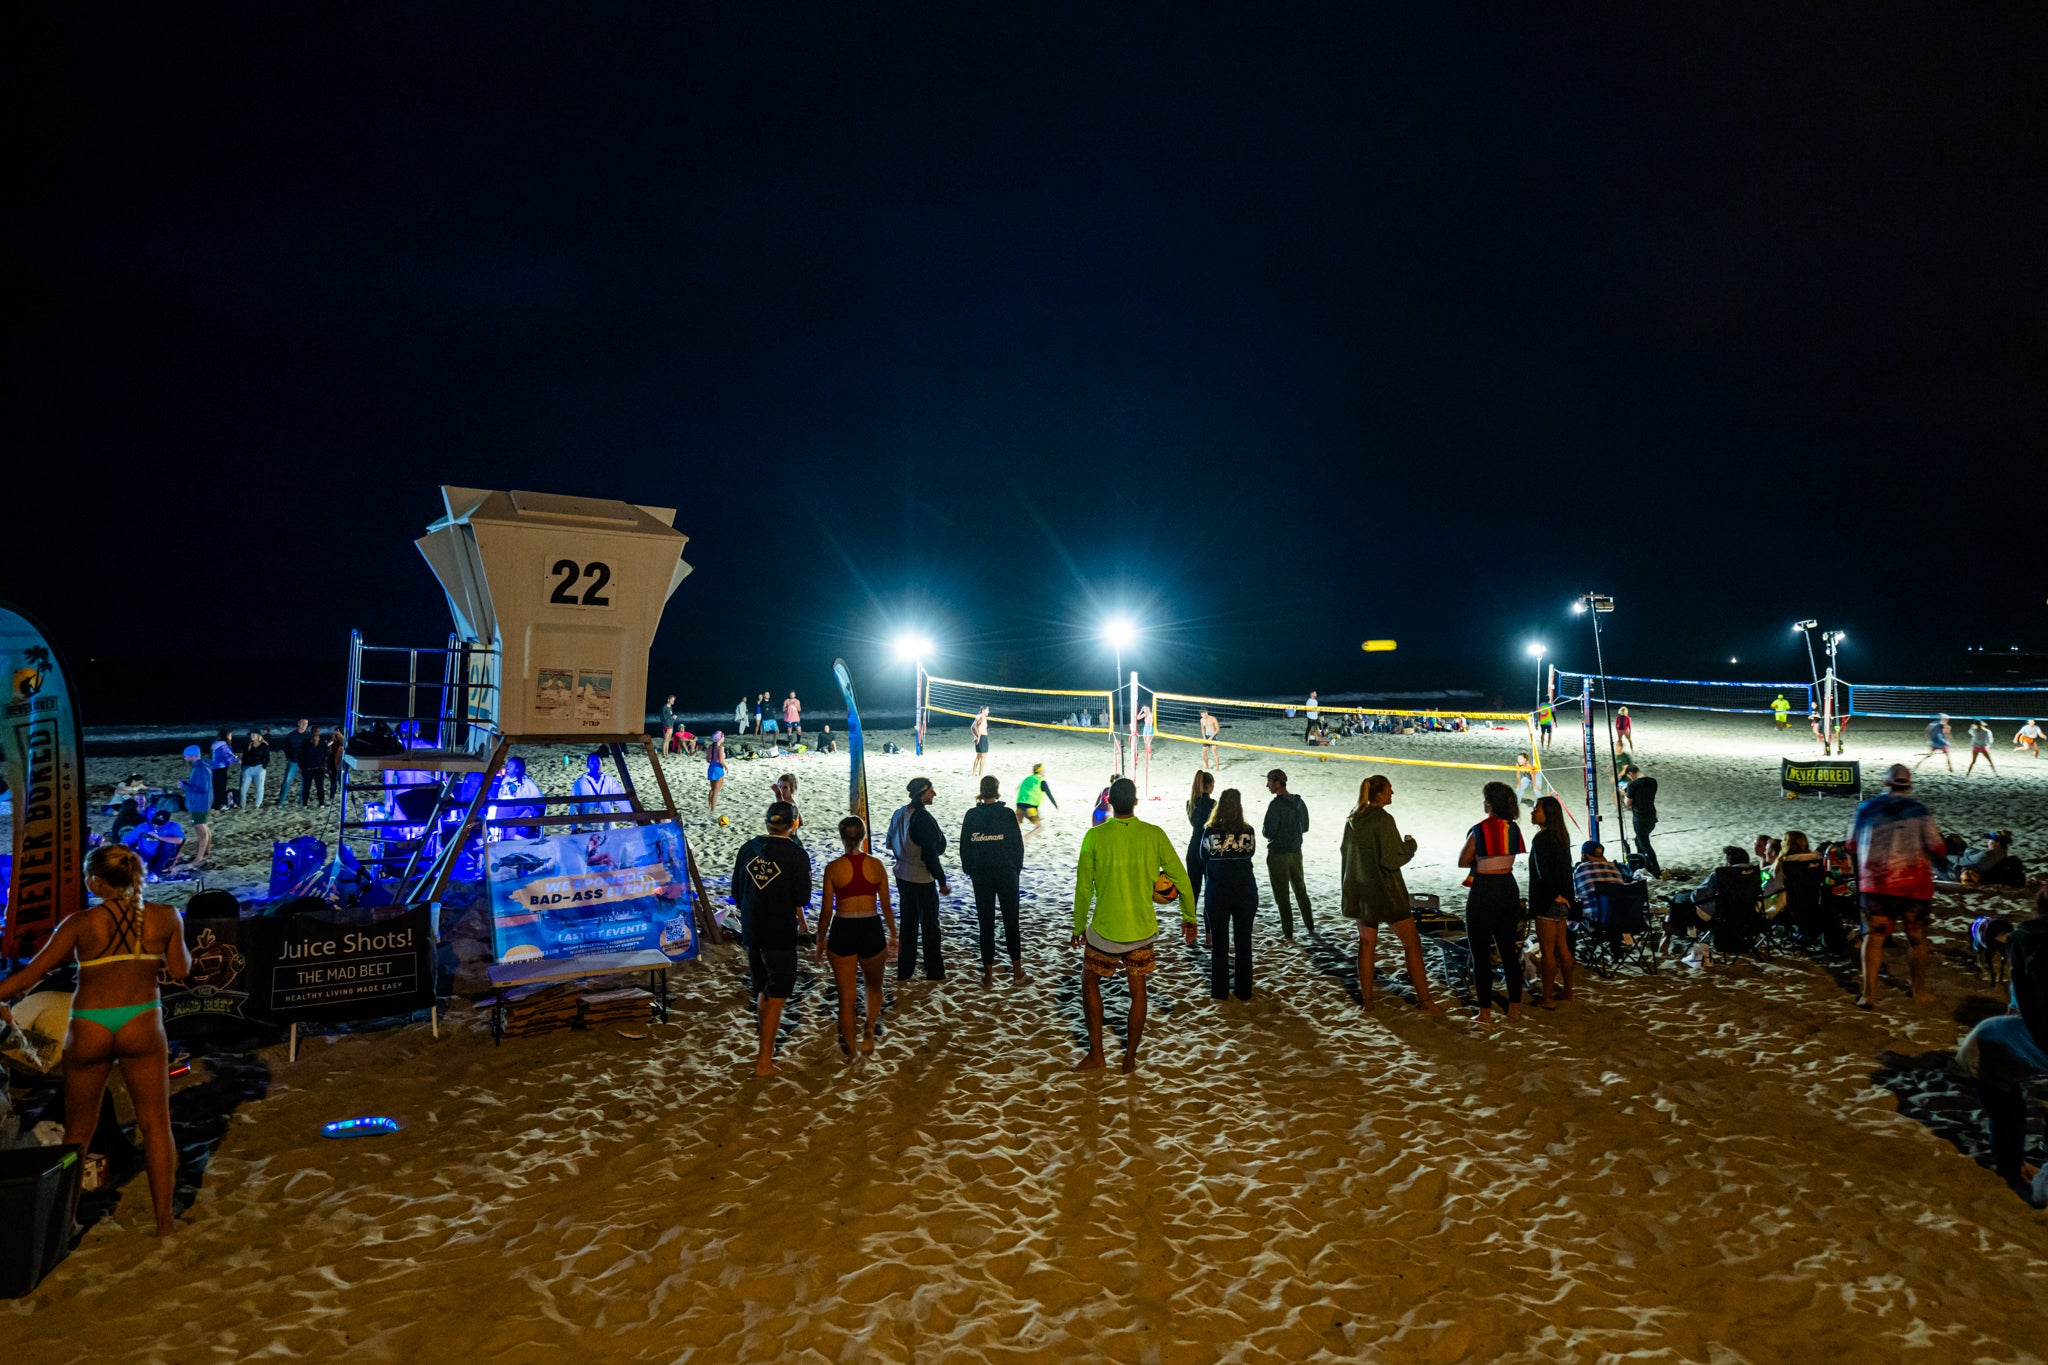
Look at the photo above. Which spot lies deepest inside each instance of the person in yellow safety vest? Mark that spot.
(1782, 709)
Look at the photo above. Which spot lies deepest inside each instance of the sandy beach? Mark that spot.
(1729, 1165)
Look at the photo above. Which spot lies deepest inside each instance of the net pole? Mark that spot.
(1590, 759)
(1132, 723)
(1829, 736)
(918, 687)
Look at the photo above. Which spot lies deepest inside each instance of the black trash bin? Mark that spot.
(38, 1188)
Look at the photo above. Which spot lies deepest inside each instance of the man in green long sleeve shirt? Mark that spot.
(1113, 916)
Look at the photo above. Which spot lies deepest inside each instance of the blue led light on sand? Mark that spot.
(363, 1127)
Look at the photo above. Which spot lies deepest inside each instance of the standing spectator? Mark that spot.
(1312, 709)
(1493, 906)
(1285, 823)
(294, 745)
(1640, 797)
(792, 714)
(1938, 742)
(739, 717)
(1375, 893)
(1121, 860)
(255, 769)
(668, 723)
(1550, 900)
(1980, 747)
(222, 762)
(916, 844)
(312, 765)
(518, 797)
(992, 856)
(771, 884)
(1896, 843)
(197, 789)
(337, 755)
(855, 924)
(761, 714)
(1624, 732)
(1232, 889)
(595, 781)
(1201, 805)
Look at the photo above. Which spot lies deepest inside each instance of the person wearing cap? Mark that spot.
(1593, 872)
(1896, 843)
(1994, 865)
(992, 856)
(1286, 821)
(1115, 923)
(197, 789)
(1937, 742)
(916, 845)
(771, 885)
(1980, 747)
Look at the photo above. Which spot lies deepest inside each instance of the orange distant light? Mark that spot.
(1378, 646)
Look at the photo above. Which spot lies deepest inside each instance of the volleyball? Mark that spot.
(1163, 891)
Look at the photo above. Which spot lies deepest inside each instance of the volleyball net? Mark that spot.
(1038, 708)
(1904, 702)
(1487, 741)
(1686, 694)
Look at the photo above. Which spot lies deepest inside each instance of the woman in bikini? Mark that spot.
(857, 927)
(121, 944)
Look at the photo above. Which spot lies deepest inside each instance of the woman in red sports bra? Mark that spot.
(1493, 907)
(857, 926)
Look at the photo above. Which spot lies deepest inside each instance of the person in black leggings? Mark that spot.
(1493, 906)
(1201, 805)
(1231, 896)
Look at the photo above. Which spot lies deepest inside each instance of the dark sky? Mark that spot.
(1277, 326)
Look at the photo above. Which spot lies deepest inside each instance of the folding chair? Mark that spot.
(1737, 928)
(1616, 930)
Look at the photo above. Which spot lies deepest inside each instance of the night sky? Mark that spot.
(1277, 327)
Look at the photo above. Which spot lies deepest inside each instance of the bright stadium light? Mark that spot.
(1119, 631)
(912, 647)
(1579, 607)
(1536, 651)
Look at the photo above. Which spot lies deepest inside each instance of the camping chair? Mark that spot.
(1808, 919)
(1737, 928)
(1616, 930)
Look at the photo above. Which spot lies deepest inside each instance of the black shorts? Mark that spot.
(1884, 914)
(981, 744)
(856, 936)
(772, 971)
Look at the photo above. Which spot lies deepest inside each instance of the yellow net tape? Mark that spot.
(1033, 724)
(1324, 708)
(1033, 691)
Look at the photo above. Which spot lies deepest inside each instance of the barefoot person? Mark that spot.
(992, 856)
(771, 884)
(1032, 792)
(1493, 905)
(1232, 891)
(1980, 747)
(1375, 893)
(1120, 860)
(1210, 729)
(714, 772)
(1938, 742)
(121, 945)
(1896, 843)
(856, 925)
(978, 729)
(1550, 899)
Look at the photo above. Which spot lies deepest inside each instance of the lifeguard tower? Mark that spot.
(555, 601)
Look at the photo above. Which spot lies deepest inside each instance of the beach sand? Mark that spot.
(1727, 1165)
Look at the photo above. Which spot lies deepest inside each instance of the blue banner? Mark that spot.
(44, 764)
(857, 784)
(606, 891)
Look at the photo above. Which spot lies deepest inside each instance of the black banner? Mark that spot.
(323, 964)
(216, 995)
(1821, 777)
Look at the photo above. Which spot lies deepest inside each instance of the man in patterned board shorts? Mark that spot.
(1896, 842)
(1121, 859)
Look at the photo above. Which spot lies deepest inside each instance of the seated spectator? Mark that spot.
(1691, 910)
(1993, 864)
(1593, 872)
(130, 788)
(1772, 856)
(157, 842)
(128, 817)
(828, 743)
